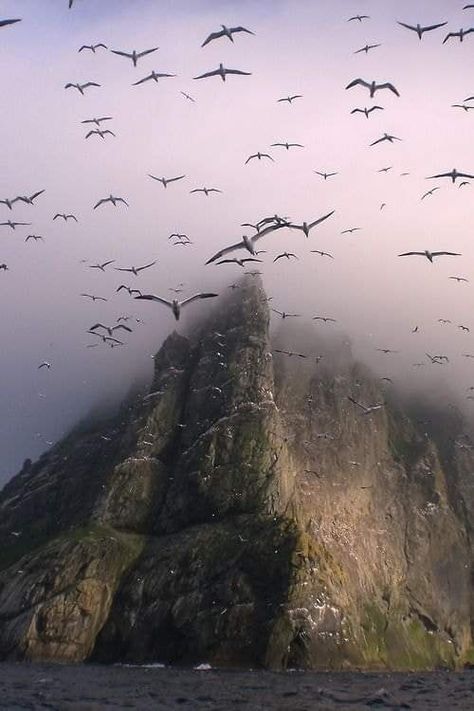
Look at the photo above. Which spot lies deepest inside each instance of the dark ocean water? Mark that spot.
(90, 688)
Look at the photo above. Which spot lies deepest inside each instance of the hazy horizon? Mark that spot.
(298, 48)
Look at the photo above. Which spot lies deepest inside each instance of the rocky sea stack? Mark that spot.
(212, 521)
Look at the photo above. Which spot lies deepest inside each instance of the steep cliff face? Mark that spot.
(244, 512)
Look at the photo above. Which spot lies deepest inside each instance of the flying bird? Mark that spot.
(93, 297)
(222, 73)
(34, 237)
(367, 48)
(359, 18)
(307, 226)
(129, 289)
(325, 319)
(322, 254)
(165, 181)
(458, 279)
(186, 96)
(288, 255)
(154, 76)
(287, 145)
(367, 111)
(241, 262)
(420, 29)
(464, 328)
(13, 225)
(385, 170)
(454, 174)
(175, 305)
(284, 315)
(9, 202)
(430, 255)
(386, 351)
(247, 243)
(98, 121)
(99, 132)
(113, 200)
(101, 266)
(460, 35)
(81, 87)
(462, 106)
(134, 270)
(259, 156)
(430, 192)
(226, 32)
(110, 329)
(386, 137)
(366, 410)
(373, 86)
(44, 364)
(350, 230)
(324, 175)
(30, 200)
(92, 47)
(134, 56)
(4, 268)
(206, 191)
(65, 217)
(290, 99)
(290, 354)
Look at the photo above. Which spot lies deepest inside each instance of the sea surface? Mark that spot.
(90, 688)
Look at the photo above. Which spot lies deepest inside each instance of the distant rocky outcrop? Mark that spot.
(244, 512)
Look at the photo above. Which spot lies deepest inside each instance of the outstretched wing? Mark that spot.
(158, 299)
(142, 81)
(433, 27)
(449, 254)
(121, 54)
(238, 71)
(409, 254)
(321, 219)
(388, 85)
(213, 36)
(140, 269)
(409, 27)
(356, 82)
(147, 51)
(196, 297)
(90, 83)
(226, 250)
(208, 74)
(241, 29)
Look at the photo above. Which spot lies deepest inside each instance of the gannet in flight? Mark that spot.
(454, 174)
(259, 156)
(419, 29)
(458, 279)
(44, 364)
(129, 289)
(287, 145)
(290, 354)
(290, 99)
(325, 319)
(113, 200)
(81, 87)
(164, 182)
(134, 270)
(98, 121)
(247, 243)
(186, 96)
(372, 86)
(222, 73)
(430, 255)
(99, 132)
(34, 237)
(324, 175)
(322, 254)
(134, 56)
(462, 106)
(241, 262)
(9, 203)
(359, 17)
(225, 32)
(13, 225)
(366, 410)
(367, 111)
(284, 315)
(367, 48)
(110, 329)
(93, 297)
(92, 47)
(386, 351)
(65, 217)
(101, 266)
(175, 305)
(386, 137)
(288, 255)
(30, 200)
(153, 76)
(350, 230)
(307, 226)
(461, 34)
(430, 192)
(206, 191)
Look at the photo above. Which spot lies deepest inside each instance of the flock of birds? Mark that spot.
(245, 251)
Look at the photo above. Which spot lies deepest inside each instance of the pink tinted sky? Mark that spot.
(300, 47)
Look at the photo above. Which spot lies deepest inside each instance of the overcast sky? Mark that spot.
(300, 47)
